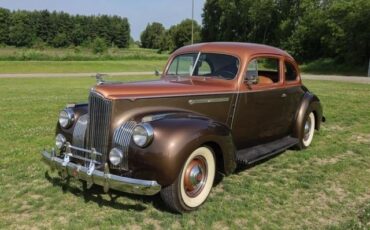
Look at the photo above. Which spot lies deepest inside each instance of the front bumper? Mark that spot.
(103, 178)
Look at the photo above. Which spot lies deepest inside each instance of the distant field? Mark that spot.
(80, 66)
(78, 59)
(323, 187)
(77, 54)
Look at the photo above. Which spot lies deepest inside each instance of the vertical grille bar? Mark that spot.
(99, 123)
(79, 135)
(121, 139)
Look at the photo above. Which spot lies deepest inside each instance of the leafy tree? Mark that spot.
(99, 46)
(309, 29)
(152, 35)
(59, 29)
(60, 40)
(4, 25)
(181, 33)
(20, 29)
(121, 35)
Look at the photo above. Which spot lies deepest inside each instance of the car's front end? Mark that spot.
(89, 149)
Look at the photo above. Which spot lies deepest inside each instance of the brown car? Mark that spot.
(216, 106)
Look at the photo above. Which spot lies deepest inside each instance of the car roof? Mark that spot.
(237, 48)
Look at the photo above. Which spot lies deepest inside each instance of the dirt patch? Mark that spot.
(333, 128)
(361, 138)
(219, 225)
(154, 223)
(242, 223)
(332, 160)
(135, 227)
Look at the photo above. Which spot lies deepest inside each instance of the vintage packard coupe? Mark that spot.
(215, 106)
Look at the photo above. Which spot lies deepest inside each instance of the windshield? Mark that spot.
(204, 65)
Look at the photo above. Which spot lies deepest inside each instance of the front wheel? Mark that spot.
(193, 185)
(308, 130)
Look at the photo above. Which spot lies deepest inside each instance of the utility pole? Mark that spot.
(192, 22)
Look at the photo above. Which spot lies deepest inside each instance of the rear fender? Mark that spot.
(310, 103)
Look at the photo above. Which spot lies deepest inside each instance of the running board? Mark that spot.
(251, 155)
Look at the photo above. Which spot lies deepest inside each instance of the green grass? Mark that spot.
(329, 66)
(324, 187)
(79, 66)
(77, 54)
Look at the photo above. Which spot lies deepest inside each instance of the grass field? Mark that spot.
(78, 54)
(324, 187)
(80, 66)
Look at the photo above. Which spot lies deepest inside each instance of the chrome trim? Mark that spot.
(103, 178)
(100, 110)
(79, 133)
(84, 150)
(195, 64)
(71, 117)
(149, 130)
(62, 139)
(208, 100)
(234, 110)
(121, 139)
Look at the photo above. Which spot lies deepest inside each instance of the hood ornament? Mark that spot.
(99, 78)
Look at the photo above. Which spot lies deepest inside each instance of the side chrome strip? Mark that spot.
(208, 100)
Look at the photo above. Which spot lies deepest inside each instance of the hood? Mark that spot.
(159, 88)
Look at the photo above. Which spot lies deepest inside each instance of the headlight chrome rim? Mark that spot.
(143, 134)
(66, 118)
(60, 141)
(115, 156)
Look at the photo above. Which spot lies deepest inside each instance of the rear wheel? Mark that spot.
(308, 130)
(193, 185)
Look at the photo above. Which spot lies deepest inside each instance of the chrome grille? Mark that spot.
(122, 138)
(99, 123)
(79, 133)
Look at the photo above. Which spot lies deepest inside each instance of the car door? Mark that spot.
(260, 114)
(294, 91)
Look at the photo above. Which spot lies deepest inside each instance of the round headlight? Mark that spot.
(143, 134)
(115, 156)
(60, 141)
(66, 118)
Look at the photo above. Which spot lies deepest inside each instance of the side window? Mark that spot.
(182, 65)
(266, 69)
(204, 68)
(290, 72)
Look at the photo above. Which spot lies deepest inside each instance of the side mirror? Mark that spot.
(251, 78)
(156, 73)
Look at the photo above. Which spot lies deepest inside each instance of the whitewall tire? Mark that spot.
(308, 130)
(193, 185)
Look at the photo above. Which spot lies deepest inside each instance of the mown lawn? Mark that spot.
(325, 186)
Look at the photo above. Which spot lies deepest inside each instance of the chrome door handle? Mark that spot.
(283, 95)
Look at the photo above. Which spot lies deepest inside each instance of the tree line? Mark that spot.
(59, 29)
(155, 36)
(308, 29)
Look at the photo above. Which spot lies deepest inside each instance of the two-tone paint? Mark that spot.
(189, 112)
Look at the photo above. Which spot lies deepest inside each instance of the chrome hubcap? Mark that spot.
(307, 129)
(195, 176)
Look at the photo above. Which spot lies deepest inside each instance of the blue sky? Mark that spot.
(138, 12)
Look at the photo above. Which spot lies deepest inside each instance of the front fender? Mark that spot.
(175, 138)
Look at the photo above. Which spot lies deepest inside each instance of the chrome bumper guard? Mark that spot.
(102, 178)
